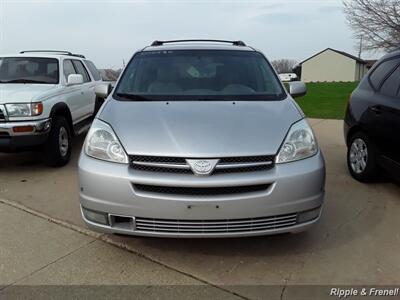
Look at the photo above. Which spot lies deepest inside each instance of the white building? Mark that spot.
(332, 65)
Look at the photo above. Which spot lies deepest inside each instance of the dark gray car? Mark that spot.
(201, 139)
(372, 122)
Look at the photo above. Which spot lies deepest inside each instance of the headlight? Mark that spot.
(102, 143)
(24, 109)
(299, 143)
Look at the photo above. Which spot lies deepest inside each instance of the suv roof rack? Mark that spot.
(235, 43)
(53, 51)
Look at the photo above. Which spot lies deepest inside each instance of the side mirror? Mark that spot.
(102, 90)
(74, 79)
(297, 88)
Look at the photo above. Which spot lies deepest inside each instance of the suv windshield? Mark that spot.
(199, 75)
(28, 70)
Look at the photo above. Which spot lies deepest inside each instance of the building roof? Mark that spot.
(339, 52)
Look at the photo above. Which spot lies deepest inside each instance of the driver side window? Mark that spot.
(68, 69)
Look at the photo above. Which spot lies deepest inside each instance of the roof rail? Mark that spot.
(53, 51)
(235, 43)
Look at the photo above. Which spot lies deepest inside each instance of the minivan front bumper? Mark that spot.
(291, 202)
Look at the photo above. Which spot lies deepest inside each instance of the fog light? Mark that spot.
(95, 216)
(308, 215)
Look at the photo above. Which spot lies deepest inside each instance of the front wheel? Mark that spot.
(362, 158)
(58, 146)
(98, 103)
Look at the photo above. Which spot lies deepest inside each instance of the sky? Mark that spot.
(109, 32)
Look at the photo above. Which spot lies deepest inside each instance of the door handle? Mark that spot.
(377, 109)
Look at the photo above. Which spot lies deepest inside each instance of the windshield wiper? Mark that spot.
(21, 80)
(133, 97)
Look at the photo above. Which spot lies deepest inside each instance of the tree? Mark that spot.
(284, 65)
(376, 22)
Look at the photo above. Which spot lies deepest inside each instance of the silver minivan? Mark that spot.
(199, 138)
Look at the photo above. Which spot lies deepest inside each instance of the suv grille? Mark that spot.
(215, 226)
(2, 113)
(165, 164)
(202, 191)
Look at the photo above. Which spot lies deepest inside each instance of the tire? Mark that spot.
(362, 158)
(58, 146)
(99, 102)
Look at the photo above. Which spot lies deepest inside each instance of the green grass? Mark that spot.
(326, 100)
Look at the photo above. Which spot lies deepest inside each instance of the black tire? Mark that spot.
(99, 102)
(363, 168)
(57, 155)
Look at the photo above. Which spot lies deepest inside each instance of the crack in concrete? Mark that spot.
(351, 220)
(48, 264)
(120, 245)
(311, 253)
(283, 289)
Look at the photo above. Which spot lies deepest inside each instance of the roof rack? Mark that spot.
(53, 51)
(235, 43)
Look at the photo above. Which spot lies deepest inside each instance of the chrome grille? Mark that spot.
(200, 191)
(165, 164)
(157, 159)
(2, 113)
(215, 226)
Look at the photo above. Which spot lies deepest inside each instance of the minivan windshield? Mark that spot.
(199, 75)
(39, 70)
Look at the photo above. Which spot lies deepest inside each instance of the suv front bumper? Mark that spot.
(16, 136)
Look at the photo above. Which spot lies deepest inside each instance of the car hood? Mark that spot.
(19, 93)
(201, 129)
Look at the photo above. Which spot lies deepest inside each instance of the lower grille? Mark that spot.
(203, 191)
(215, 226)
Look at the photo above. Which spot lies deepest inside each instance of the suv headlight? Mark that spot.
(102, 143)
(24, 109)
(299, 143)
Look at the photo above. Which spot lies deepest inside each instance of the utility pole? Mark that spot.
(360, 49)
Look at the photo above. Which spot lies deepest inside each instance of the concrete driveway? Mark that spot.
(357, 241)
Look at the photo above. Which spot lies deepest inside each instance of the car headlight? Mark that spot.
(102, 143)
(24, 109)
(299, 143)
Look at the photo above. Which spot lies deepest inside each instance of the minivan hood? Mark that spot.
(22, 92)
(201, 129)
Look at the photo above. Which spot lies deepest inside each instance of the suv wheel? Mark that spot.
(362, 158)
(99, 102)
(58, 146)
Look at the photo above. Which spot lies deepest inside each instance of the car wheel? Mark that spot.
(99, 102)
(362, 158)
(58, 146)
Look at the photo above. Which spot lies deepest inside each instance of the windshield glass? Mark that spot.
(29, 70)
(199, 75)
